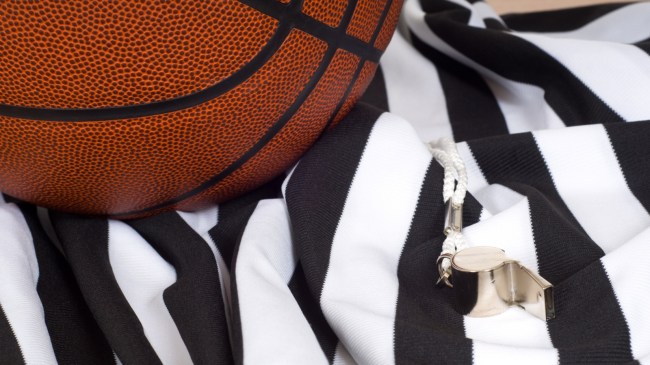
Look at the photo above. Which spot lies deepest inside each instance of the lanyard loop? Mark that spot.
(453, 193)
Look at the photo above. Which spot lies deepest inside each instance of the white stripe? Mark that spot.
(18, 280)
(485, 11)
(413, 90)
(625, 25)
(475, 178)
(270, 316)
(523, 105)
(143, 276)
(490, 354)
(497, 198)
(628, 271)
(475, 18)
(587, 176)
(512, 328)
(342, 356)
(359, 296)
(510, 229)
(202, 222)
(619, 74)
(485, 214)
(286, 179)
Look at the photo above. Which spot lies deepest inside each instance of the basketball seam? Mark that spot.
(319, 29)
(362, 62)
(289, 17)
(271, 132)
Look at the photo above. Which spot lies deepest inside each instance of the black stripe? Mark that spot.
(585, 303)
(567, 256)
(194, 300)
(472, 108)
(237, 337)
(376, 94)
(289, 17)
(438, 6)
(76, 338)
(494, 24)
(318, 188)
(234, 215)
(562, 20)
(644, 46)
(519, 60)
(630, 143)
(85, 243)
(563, 248)
(10, 352)
(427, 328)
(310, 307)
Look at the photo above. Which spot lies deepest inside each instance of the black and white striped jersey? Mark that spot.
(335, 263)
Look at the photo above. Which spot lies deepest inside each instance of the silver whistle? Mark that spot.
(486, 282)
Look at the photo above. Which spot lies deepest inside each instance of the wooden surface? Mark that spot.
(514, 6)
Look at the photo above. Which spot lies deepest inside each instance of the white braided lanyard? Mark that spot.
(453, 194)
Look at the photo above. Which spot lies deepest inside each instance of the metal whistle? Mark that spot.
(486, 282)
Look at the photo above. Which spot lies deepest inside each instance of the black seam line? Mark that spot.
(362, 62)
(289, 17)
(320, 30)
(270, 133)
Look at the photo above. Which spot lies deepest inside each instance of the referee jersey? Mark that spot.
(334, 262)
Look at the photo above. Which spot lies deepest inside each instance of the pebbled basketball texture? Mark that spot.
(128, 108)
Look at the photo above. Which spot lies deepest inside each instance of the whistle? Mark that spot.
(486, 283)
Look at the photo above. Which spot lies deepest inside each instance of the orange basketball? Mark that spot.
(127, 108)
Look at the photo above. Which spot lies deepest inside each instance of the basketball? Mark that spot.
(129, 108)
